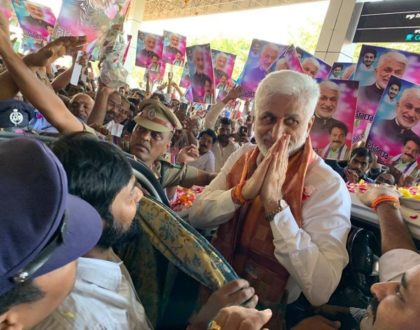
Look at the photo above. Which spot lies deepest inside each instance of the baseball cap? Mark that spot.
(157, 117)
(43, 227)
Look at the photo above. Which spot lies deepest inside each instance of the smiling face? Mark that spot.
(408, 109)
(393, 91)
(337, 138)
(81, 106)
(310, 68)
(282, 114)
(268, 56)
(327, 103)
(35, 11)
(174, 40)
(410, 152)
(198, 60)
(221, 63)
(386, 68)
(368, 59)
(150, 43)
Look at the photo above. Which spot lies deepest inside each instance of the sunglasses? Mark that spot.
(42, 258)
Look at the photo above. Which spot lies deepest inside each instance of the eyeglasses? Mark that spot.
(45, 254)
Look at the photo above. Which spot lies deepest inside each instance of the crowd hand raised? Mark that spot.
(188, 154)
(351, 175)
(253, 185)
(271, 190)
(233, 94)
(317, 323)
(374, 191)
(234, 293)
(241, 318)
(54, 50)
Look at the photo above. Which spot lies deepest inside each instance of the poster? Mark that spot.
(396, 120)
(201, 73)
(223, 64)
(37, 21)
(334, 118)
(374, 69)
(312, 65)
(174, 48)
(288, 61)
(185, 77)
(90, 18)
(261, 57)
(342, 71)
(149, 49)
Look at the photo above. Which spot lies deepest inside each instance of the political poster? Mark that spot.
(312, 65)
(342, 70)
(149, 49)
(174, 48)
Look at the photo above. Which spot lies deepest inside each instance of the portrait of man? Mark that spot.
(35, 20)
(337, 148)
(282, 64)
(326, 107)
(311, 66)
(391, 63)
(149, 46)
(220, 65)
(365, 71)
(172, 47)
(407, 115)
(336, 71)
(406, 161)
(200, 76)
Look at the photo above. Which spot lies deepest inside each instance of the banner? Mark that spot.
(174, 48)
(288, 61)
(374, 69)
(223, 64)
(312, 65)
(261, 57)
(334, 118)
(149, 49)
(201, 73)
(37, 21)
(396, 120)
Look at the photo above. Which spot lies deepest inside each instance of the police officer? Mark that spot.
(150, 140)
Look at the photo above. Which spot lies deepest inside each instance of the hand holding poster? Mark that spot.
(37, 21)
(149, 49)
(201, 73)
(260, 59)
(174, 48)
(395, 124)
(374, 69)
(312, 65)
(334, 117)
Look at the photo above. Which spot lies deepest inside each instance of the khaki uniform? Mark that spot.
(170, 175)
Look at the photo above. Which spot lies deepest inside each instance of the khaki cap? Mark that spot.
(156, 117)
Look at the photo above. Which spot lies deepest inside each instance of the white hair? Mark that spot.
(271, 46)
(393, 55)
(196, 50)
(415, 91)
(290, 83)
(221, 54)
(312, 60)
(330, 85)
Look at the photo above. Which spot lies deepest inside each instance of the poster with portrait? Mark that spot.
(223, 64)
(149, 49)
(396, 120)
(261, 57)
(334, 118)
(90, 18)
(342, 71)
(312, 65)
(174, 48)
(374, 69)
(185, 81)
(288, 61)
(156, 73)
(37, 21)
(201, 73)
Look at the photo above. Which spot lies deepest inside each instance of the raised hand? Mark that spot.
(188, 154)
(374, 191)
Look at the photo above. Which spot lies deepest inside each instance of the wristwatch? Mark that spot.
(282, 205)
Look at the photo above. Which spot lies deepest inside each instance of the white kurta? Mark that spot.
(314, 255)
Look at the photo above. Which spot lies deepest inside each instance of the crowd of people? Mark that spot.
(278, 213)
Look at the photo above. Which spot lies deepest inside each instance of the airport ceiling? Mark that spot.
(162, 9)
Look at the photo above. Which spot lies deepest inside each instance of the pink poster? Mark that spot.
(90, 18)
(223, 64)
(174, 48)
(185, 78)
(201, 73)
(374, 69)
(156, 72)
(37, 21)
(149, 49)
(396, 122)
(261, 57)
(288, 61)
(6, 8)
(334, 118)
(312, 65)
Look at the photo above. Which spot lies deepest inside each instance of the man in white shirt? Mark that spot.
(301, 248)
(224, 147)
(206, 161)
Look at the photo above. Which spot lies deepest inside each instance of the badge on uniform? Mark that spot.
(151, 114)
(16, 117)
